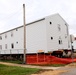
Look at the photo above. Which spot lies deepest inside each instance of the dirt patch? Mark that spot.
(71, 65)
(54, 72)
(66, 69)
(69, 69)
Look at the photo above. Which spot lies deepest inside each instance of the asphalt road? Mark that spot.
(70, 71)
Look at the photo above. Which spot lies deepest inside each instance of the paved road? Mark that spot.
(69, 71)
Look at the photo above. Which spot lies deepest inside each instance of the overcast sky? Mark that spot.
(11, 12)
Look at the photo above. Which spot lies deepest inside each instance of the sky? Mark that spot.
(11, 12)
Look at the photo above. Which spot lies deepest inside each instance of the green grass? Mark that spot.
(12, 70)
(52, 65)
(56, 65)
(12, 61)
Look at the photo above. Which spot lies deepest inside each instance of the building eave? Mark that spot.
(22, 26)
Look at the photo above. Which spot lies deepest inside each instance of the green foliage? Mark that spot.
(12, 70)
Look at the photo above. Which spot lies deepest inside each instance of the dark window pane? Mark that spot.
(51, 38)
(50, 22)
(12, 45)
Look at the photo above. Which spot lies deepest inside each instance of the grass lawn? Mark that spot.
(52, 65)
(12, 70)
(56, 65)
(12, 61)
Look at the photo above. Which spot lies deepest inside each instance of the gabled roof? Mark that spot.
(35, 22)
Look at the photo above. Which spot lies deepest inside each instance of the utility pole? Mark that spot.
(24, 56)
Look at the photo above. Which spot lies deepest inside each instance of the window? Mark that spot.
(11, 34)
(65, 36)
(66, 27)
(0, 37)
(59, 37)
(65, 24)
(16, 29)
(0, 46)
(5, 35)
(12, 45)
(17, 42)
(5, 46)
(60, 41)
(59, 27)
(51, 38)
(50, 22)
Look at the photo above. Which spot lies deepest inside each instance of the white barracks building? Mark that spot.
(47, 34)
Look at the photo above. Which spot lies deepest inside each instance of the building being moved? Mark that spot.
(45, 35)
(73, 42)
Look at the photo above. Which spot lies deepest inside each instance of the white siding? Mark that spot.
(38, 37)
(52, 31)
(16, 39)
(35, 39)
